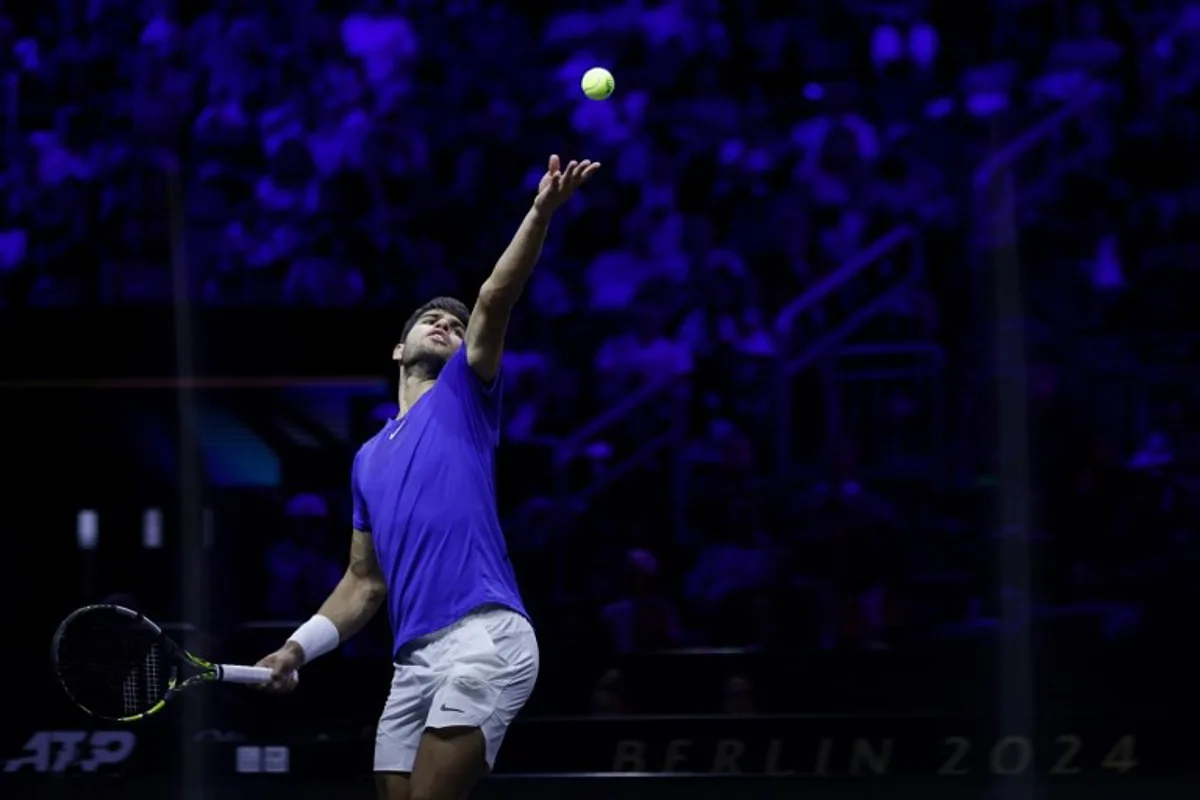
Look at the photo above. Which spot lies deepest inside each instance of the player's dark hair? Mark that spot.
(455, 307)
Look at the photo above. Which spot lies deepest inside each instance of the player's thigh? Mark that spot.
(490, 675)
(398, 735)
(392, 785)
(511, 700)
(518, 649)
(449, 763)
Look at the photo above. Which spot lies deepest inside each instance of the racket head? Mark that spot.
(114, 663)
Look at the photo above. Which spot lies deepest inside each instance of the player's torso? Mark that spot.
(424, 475)
(429, 487)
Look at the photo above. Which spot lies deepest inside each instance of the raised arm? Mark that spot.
(499, 293)
(351, 604)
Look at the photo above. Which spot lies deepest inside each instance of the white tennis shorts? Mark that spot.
(477, 672)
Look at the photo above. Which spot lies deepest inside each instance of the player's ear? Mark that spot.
(398, 353)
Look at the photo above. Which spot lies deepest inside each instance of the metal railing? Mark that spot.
(867, 379)
(1046, 142)
(575, 444)
(1047, 136)
(890, 264)
(873, 256)
(1044, 154)
(671, 391)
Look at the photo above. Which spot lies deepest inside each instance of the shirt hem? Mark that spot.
(411, 637)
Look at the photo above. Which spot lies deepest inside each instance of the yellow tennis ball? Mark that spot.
(598, 83)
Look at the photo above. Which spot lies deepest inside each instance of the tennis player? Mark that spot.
(427, 540)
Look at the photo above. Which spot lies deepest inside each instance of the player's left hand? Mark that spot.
(558, 184)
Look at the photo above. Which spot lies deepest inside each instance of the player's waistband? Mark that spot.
(484, 611)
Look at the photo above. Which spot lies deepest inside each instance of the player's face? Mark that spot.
(437, 333)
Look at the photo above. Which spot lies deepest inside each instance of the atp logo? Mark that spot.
(86, 751)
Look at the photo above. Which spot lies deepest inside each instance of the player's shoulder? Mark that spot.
(457, 365)
(458, 374)
(369, 445)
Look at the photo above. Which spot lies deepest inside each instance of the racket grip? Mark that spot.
(233, 673)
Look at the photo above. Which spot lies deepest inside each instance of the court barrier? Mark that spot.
(599, 787)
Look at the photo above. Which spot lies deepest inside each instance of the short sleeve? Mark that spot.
(361, 519)
(482, 400)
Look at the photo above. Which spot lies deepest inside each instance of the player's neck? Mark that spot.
(411, 389)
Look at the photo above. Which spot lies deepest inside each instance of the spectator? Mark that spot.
(645, 619)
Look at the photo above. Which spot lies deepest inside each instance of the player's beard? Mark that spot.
(424, 364)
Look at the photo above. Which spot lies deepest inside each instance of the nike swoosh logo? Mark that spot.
(448, 708)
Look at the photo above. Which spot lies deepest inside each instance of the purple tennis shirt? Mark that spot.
(424, 488)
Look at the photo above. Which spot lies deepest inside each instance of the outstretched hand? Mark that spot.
(558, 184)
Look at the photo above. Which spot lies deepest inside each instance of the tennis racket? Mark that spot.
(117, 665)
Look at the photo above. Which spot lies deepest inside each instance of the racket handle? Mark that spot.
(232, 673)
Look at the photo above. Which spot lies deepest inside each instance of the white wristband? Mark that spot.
(316, 637)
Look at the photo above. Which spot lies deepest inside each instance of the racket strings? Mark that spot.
(141, 688)
(112, 664)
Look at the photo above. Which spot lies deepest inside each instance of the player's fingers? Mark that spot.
(281, 684)
(554, 165)
(569, 179)
(586, 172)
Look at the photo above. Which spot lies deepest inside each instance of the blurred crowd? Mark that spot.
(378, 152)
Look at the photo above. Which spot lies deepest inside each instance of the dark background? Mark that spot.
(850, 418)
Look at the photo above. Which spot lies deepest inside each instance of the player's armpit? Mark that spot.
(485, 332)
